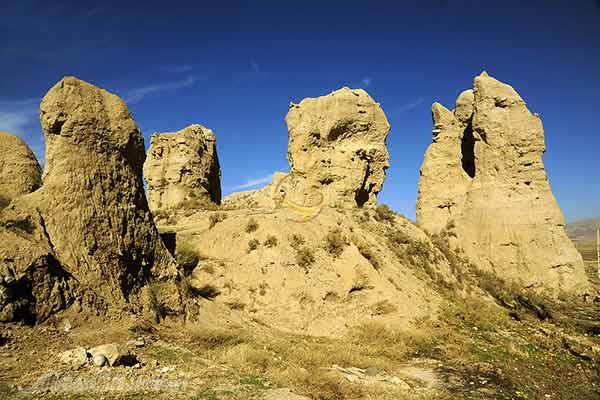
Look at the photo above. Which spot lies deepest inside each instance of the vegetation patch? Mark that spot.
(335, 242)
(297, 240)
(384, 214)
(213, 338)
(304, 257)
(4, 202)
(367, 253)
(254, 381)
(253, 245)
(251, 226)
(205, 395)
(271, 241)
(187, 258)
(383, 307)
(215, 218)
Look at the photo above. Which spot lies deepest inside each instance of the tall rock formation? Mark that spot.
(484, 172)
(337, 147)
(20, 172)
(183, 166)
(86, 235)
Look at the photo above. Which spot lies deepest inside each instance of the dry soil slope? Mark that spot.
(295, 280)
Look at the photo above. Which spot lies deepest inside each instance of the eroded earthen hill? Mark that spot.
(20, 172)
(337, 146)
(309, 253)
(183, 167)
(85, 238)
(484, 174)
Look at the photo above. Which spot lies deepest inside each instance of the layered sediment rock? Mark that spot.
(20, 172)
(88, 233)
(484, 174)
(337, 147)
(181, 167)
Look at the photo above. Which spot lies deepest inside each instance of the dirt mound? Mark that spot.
(318, 276)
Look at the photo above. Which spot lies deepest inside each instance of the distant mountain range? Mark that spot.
(584, 230)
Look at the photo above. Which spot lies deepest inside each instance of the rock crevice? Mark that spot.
(484, 173)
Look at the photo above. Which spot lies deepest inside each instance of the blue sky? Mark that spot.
(235, 66)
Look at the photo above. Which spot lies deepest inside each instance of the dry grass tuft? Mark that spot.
(187, 258)
(215, 219)
(305, 257)
(251, 226)
(297, 240)
(196, 203)
(384, 214)
(253, 245)
(335, 242)
(271, 241)
(213, 338)
(383, 307)
(367, 253)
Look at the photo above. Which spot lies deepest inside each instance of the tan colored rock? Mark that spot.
(88, 233)
(484, 172)
(183, 166)
(114, 353)
(337, 147)
(76, 357)
(20, 172)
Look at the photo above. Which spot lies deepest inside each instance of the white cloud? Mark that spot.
(409, 106)
(250, 183)
(138, 94)
(363, 83)
(18, 116)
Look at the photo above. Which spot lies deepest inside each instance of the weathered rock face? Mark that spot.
(88, 232)
(484, 172)
(183, 166)
(20, 172)
(337, 147)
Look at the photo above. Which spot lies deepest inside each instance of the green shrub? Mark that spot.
(271, 241)
(251, 226)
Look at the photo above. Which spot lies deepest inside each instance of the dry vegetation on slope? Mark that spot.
(487, 340)
(273, 296)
